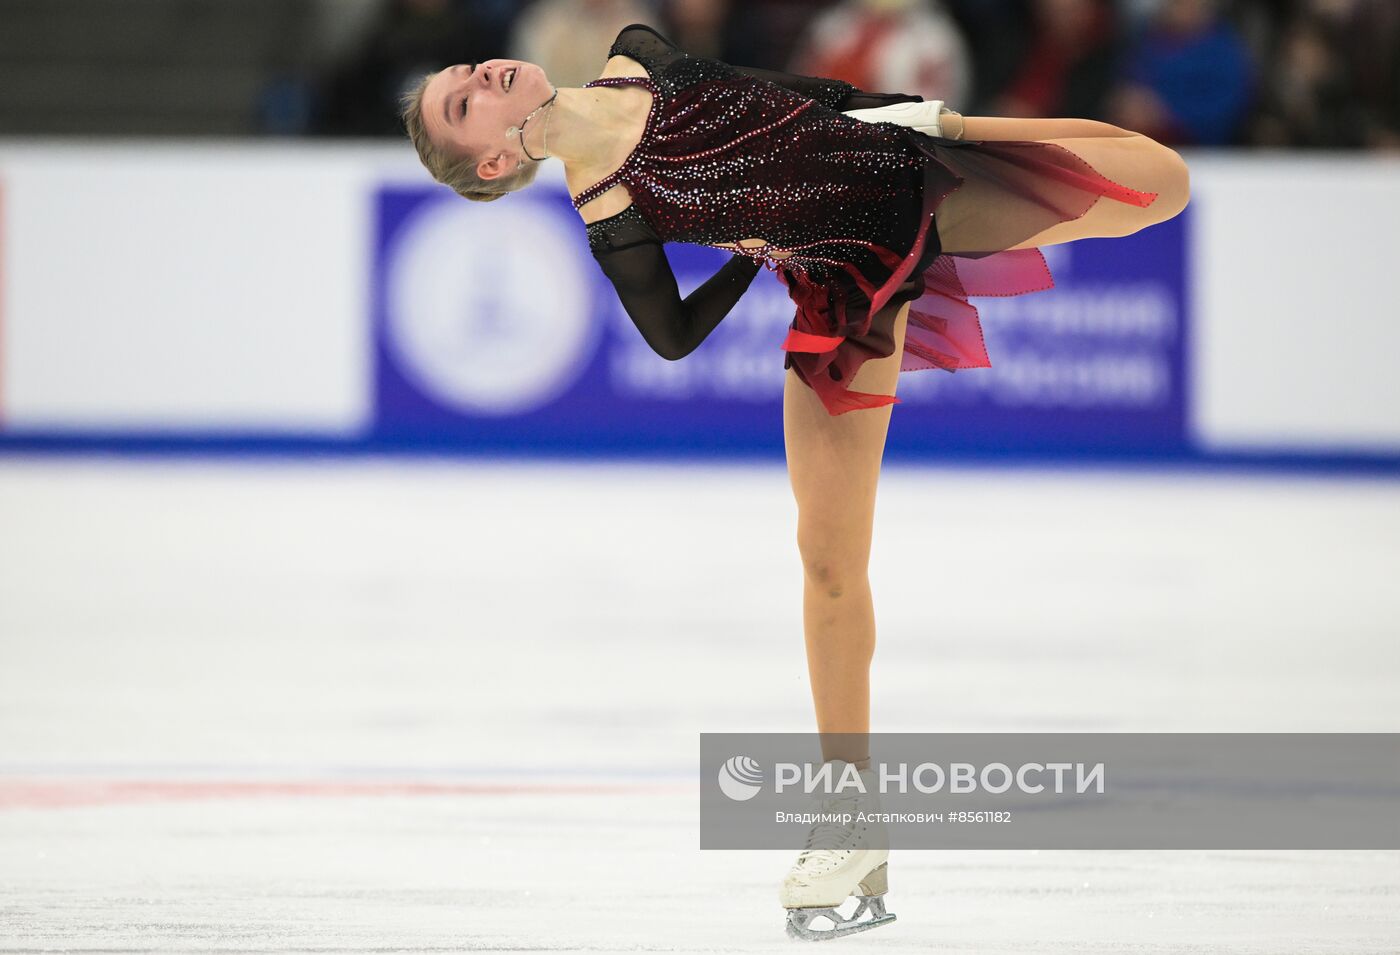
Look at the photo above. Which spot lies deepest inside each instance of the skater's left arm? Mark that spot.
(632, 256)
(673, 326)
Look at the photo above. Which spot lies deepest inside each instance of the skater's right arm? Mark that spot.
(836, 94)
(673, 326)
(644, 43)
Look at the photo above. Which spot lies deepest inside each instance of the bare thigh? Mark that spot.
(834, 462)
(1134, 161)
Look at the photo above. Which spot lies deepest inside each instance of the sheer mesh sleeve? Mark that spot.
(835, 94)
(632, 257)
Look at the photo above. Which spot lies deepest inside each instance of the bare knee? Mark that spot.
(833, 578)
(1171, 182)
(835, 570)
(1163, 172)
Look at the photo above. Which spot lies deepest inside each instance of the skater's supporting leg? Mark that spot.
(846, 854)
(834, 465)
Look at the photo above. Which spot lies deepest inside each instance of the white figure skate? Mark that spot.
(840, 861)
(926, 117)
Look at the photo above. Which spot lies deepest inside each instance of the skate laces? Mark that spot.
(828, 836)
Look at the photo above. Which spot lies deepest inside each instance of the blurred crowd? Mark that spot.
(1267, 73)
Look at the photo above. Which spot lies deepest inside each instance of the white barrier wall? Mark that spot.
(155, 287)
(219, 289)
(1296, 323)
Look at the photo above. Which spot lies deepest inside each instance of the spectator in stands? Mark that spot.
(1188, 80)
(1307, 98)
(1070, 64)
(1371, 46)
(1179, 71)
(997, 34)
(570, 38)
(1359, 89)
(889, 46)
(359, 97)
(698, 27)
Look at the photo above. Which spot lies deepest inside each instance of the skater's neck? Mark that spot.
(594, 130)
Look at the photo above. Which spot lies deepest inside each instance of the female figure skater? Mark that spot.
(881, 213)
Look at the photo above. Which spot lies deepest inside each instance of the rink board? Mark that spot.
(326, 297)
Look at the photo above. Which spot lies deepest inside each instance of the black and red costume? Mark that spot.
(732, 153)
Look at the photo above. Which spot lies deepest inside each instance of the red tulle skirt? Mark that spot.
(980, 198)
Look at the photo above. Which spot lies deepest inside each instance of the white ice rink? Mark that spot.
(398, 706)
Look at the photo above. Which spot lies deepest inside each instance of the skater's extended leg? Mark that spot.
(967, 223)
(1006, 127)
(1136, 162)
(834, 465)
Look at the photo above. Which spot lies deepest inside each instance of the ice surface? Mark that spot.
(386, 706)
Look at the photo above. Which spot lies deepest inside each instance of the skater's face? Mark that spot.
(467, 110)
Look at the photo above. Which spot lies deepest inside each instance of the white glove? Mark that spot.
(925, 117)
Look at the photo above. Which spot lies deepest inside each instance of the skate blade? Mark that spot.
(799, 921)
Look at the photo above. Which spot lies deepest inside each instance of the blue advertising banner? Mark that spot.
(495, 329)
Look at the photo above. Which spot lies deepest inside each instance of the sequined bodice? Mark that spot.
(726, 157)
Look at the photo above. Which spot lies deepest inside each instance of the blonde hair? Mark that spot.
(456, 173)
